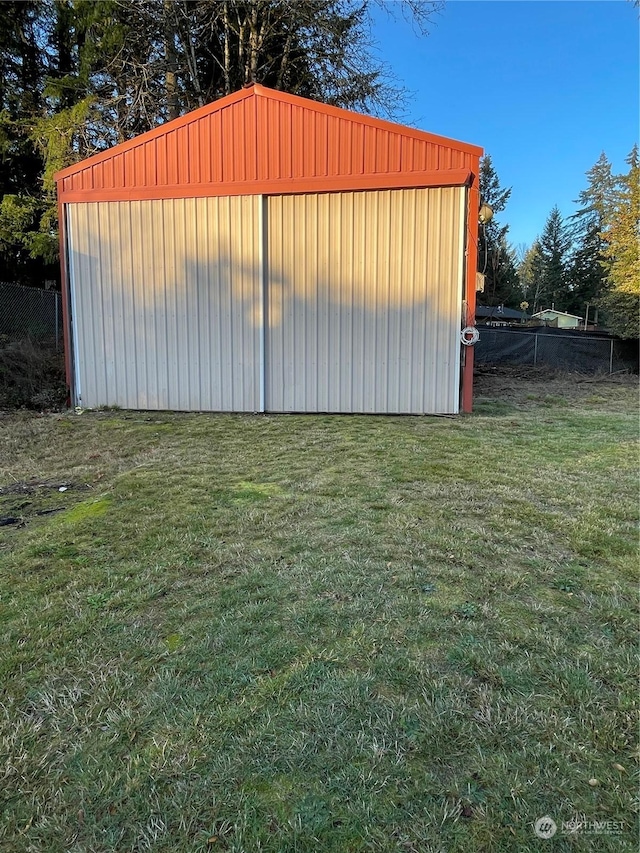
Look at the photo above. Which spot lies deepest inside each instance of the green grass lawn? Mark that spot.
(321, 633)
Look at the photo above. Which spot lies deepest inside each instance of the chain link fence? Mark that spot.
(579, 352)
(31, 312)
(31, 348)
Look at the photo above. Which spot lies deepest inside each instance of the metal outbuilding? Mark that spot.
(271, 253)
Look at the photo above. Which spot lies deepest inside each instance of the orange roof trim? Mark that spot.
(259, 140)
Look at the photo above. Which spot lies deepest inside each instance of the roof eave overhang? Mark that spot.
(399, 180)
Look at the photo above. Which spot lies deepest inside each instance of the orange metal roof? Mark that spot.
(259, 140)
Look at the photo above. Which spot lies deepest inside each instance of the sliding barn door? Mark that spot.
(363, 301)
(166, 303)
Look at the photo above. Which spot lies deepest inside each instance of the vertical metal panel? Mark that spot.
(364, 301)
(164, 303)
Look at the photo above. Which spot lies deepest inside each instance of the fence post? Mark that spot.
(611, 358)
(535, 350)
(57, 333)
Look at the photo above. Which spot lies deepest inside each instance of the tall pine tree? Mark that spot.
(552, 285)
(587, 273)
(530, 274)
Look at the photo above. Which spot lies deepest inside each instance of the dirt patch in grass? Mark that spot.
(24, 502)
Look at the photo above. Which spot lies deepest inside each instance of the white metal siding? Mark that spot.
(364, 301)
(334, 302)
(164, 299)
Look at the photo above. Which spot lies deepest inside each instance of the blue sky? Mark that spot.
(542, 85)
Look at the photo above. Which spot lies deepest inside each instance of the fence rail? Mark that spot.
(31, 312)
(578, 352)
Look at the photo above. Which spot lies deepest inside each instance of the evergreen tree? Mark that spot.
(496, 259)
(586, 274)
(555, 242)
(621, 234)
(530, 274)
(22, 73)
(501, 275)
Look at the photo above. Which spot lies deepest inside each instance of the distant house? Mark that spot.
(558, 319)
(498, 315)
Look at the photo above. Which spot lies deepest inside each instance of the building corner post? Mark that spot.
(473, 204)
(64, 286)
